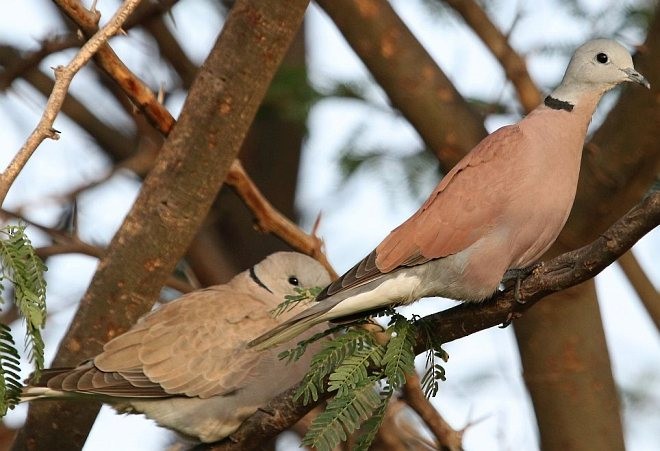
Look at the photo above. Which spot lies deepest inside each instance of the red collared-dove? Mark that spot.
(500, 208)
(185, 365)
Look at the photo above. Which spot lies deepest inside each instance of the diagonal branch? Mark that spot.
(271, 220)
(562, 272)
(409, 75)
(513, 64)
(63, 77)
(557, 274)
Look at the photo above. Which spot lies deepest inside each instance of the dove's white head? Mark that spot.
(282, 272)
(597, 66)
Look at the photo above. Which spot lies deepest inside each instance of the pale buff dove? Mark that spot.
(185, 365)
(499, 209)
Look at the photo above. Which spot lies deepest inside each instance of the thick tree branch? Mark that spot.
(174, 200)
(63, 77)
(557, 274)
(513, 64)
(269, 219)
(412, 80)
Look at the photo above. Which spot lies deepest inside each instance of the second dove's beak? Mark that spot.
(636, 77)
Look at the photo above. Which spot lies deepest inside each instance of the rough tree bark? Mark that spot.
(271, 155)
(174, 200)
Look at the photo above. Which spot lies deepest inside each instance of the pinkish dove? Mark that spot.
(499, 209)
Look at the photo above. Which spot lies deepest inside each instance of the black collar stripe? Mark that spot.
(557, 104)
(253, 276)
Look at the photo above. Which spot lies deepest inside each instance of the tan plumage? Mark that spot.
(501, 207)
(186, 365)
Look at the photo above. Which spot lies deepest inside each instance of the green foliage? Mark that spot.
(292, 300)
(343, 415)
(369, 428)
(290, 95)
(20, 265)
(10, 383)
(399, 357)
(295, 353)
(324, 362)
(435, 372)
(354, 368)
(353, 365)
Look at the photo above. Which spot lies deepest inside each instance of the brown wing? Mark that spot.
(193, 346)
(86, 378)
(364, 271)
(462, 208)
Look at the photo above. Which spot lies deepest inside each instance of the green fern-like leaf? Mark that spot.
(325, 361)
(10, 382)
(292, 300)
(342, 416)
(399, 356)
(369, 428)
(291, 355)
(435, 372)
(353, 364)
(354, 369)
(20, 265)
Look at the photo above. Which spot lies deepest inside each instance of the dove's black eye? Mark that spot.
(293, 280)
(602, 58)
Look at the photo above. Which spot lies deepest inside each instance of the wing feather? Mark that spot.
(462, 209)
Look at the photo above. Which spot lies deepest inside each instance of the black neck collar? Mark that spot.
(257, 280)
(557, 104)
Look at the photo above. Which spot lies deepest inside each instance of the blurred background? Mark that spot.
(330, 141)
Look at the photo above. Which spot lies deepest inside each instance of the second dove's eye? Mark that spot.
(293, 280)
(602, 58)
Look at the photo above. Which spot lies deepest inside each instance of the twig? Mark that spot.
(136, 90)
(498, 44)
(448, 438)
(23, 64)
(557, 274)
(642, 285)
(271, 220)
(63, 77)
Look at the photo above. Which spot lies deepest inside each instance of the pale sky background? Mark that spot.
(483, 373)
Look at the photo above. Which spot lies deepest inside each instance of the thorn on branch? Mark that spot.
(53, 134)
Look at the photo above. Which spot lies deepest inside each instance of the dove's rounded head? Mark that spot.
(283, 272)
(599, 65)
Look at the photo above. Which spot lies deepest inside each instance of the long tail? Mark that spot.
(37, 389)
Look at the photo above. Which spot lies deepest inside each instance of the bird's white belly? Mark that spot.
(399, 289)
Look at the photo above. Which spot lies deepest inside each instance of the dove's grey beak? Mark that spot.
(636, 77)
